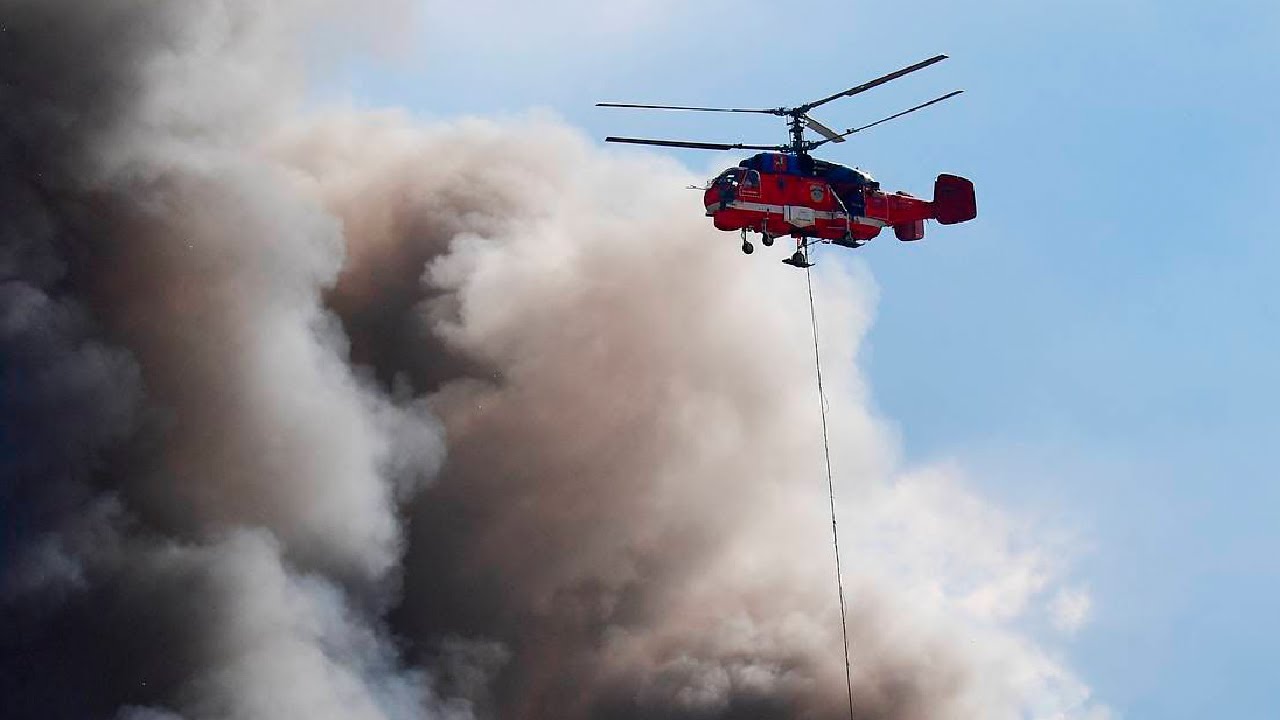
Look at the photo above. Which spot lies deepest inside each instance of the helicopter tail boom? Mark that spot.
(953, 202)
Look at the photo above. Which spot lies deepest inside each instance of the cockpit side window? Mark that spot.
(752, 180)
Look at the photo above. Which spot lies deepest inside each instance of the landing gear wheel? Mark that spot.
(747, 247)
(767, 240)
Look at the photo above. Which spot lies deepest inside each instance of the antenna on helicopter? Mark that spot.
(798, 117)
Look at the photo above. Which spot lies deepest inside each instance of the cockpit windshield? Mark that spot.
(729, 178)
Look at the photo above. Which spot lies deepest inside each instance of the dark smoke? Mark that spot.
(199, 490)
(336, 415)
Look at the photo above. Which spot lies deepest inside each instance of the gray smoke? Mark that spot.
(341, 415)
(194, 471)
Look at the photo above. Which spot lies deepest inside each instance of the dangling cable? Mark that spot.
(831, 489)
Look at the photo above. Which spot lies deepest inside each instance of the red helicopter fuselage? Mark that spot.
(779, 194)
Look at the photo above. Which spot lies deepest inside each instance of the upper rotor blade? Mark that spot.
(693, 145)
(687, 107)
(894, 116)
(822, 130)
(873, 83)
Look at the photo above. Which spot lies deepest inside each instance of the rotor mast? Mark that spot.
(795, 126)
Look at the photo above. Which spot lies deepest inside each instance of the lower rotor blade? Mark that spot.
(894, 116)
(691, 144)
(908, 111)
(688, 107)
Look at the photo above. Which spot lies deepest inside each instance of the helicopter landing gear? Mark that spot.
(800, 258)
(767, 239)
(747, 247)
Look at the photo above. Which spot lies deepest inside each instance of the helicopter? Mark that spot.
(784, 190)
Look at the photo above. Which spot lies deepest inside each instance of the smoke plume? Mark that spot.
(338, 414)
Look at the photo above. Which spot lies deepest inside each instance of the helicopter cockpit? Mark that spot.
(727, 179)
(734, 179)
(735, 176)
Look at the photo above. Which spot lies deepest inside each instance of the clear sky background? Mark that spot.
(1099, 349)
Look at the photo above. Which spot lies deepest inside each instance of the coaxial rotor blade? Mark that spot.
(871, 84)
(693, 145)
(908, 111)
(822, 130)
(894, 116)
(763, 111)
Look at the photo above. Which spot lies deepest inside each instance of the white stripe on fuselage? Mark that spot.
(781, 211)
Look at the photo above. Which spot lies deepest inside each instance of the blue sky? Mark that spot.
(1098, 349)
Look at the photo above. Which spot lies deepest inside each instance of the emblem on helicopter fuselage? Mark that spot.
(816, 192)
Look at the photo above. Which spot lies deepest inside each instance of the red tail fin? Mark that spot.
(954, 200)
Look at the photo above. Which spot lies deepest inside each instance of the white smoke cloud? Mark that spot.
(1070, 609)
(282, 643)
